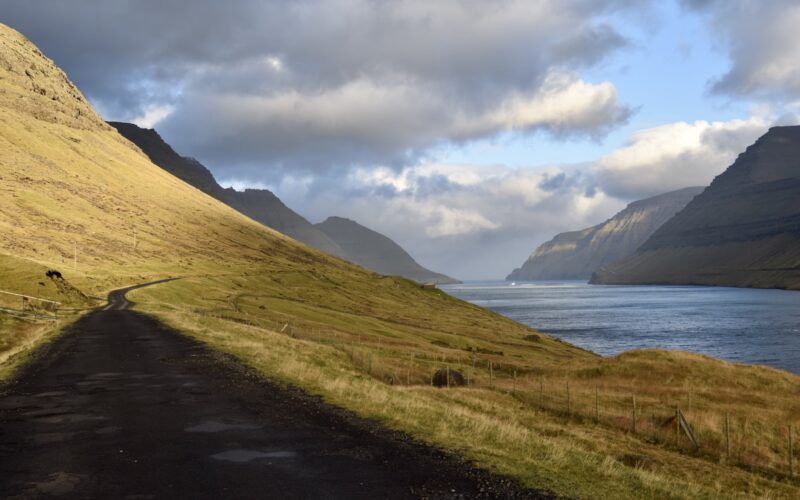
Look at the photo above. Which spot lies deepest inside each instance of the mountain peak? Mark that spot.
(337, 219)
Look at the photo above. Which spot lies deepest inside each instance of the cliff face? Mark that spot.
(577, 254)
(258, 204)
(743, 230)
(375, 251)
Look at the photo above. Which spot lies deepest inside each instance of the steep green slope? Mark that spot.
(73, 187)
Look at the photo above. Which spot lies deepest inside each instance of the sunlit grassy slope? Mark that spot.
(70, 185)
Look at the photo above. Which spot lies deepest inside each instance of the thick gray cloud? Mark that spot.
(761, 40)
(255, 86)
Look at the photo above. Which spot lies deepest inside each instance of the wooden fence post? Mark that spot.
(727, 436)
(596, 405)
(514, 390)
(569, 402)
(791, 451)
(541, 391)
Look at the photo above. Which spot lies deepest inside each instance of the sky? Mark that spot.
(468, 131)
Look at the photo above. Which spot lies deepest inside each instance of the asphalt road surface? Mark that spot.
(120, 406)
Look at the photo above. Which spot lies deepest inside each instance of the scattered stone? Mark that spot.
(456, 378)
(53, 274)
(638, 461)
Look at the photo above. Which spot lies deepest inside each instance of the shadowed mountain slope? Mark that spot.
(263, 206)
(259, 204)
(375, 251)
(743, 230)
(577, 254)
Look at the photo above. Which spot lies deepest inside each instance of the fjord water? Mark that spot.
(736, 324)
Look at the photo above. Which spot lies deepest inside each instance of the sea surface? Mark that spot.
(737, 324)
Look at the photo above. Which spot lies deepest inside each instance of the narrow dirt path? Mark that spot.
(120, 406)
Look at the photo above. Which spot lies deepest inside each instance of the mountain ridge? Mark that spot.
(259, 204)
(577, 254)
(265, 207)
(743, 230)
(376, 251)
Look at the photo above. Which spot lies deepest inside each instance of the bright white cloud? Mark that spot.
(152, 115)
(470, 221)
(563, 105)
(675, 155)
(365, 122)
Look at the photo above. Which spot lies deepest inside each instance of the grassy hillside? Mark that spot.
(364, 341)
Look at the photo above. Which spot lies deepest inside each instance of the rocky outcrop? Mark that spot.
(578, 254)
(375, 251)
(743, 230)
(33, 85)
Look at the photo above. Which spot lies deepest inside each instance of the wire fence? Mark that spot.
(26, 305)
(762, 442)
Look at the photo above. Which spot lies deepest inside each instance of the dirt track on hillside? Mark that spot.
(120, 406)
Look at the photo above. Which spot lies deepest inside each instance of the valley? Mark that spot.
(328, 349)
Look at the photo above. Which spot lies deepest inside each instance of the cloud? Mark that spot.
(152, 115)
(762, 44)
(674, 156)
(480, 221)
(466, 220)
(365, 123)
(311, 85)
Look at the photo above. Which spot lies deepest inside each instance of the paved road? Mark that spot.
(120, 406)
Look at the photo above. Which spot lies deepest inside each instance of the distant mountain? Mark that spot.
(259, 204)
(743, 230)
(577, 254)
(263, 206)
(377, 252)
